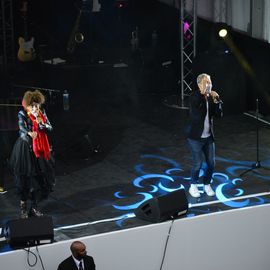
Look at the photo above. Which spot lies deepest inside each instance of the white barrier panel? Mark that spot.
(236, 239)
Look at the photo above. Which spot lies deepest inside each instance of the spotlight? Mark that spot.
(187, 34)
(223, 32)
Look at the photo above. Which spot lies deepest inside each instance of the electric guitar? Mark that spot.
(26, 52)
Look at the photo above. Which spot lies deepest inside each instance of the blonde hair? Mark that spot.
(201, 77)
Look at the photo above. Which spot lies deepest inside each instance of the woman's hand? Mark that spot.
(32, 134)
(39, 120)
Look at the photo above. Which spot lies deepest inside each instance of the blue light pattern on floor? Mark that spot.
(175, 178)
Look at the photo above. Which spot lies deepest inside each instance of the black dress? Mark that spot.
(30, 172)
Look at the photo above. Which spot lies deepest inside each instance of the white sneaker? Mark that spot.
(193, 191)
(209, 191)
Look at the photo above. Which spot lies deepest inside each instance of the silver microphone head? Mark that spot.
(208, 88)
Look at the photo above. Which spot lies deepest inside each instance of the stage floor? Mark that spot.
(115, 150)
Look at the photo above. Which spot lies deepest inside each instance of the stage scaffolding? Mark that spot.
(188, 27)
(187, 40)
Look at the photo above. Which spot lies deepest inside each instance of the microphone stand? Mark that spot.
(47, 90)
(257, 164)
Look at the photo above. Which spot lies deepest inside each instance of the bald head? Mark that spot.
(78, 250)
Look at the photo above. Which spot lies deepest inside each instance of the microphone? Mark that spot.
(217, 100)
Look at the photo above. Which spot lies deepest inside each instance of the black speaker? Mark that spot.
(164, 207)
(27, 232)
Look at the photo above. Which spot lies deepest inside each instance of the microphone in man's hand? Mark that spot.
(217, 100)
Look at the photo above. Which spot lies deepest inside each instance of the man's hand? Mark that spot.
(215, 96)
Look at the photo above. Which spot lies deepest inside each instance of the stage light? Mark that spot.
(186, 27)
(223, 32)
(187, 32)
(220, 34)
(121, 4)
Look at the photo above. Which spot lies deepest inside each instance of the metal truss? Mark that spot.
(7, 49)
(188, 25)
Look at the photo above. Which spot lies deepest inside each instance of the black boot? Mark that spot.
(23, 207)
(34, 212)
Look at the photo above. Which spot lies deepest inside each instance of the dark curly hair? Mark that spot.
(31, 97)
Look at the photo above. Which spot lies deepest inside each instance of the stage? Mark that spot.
(119, 145)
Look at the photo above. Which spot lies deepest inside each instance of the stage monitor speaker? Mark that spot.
(169, 206)
(27, 232)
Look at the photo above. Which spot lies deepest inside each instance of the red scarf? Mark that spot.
(41, 145)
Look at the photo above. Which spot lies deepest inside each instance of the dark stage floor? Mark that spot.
(119, 145)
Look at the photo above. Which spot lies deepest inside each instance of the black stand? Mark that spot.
(257, 164)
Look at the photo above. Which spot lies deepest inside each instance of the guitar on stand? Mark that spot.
(26, 52)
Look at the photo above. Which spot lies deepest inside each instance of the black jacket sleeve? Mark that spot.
(23, 123)
(47, 125)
